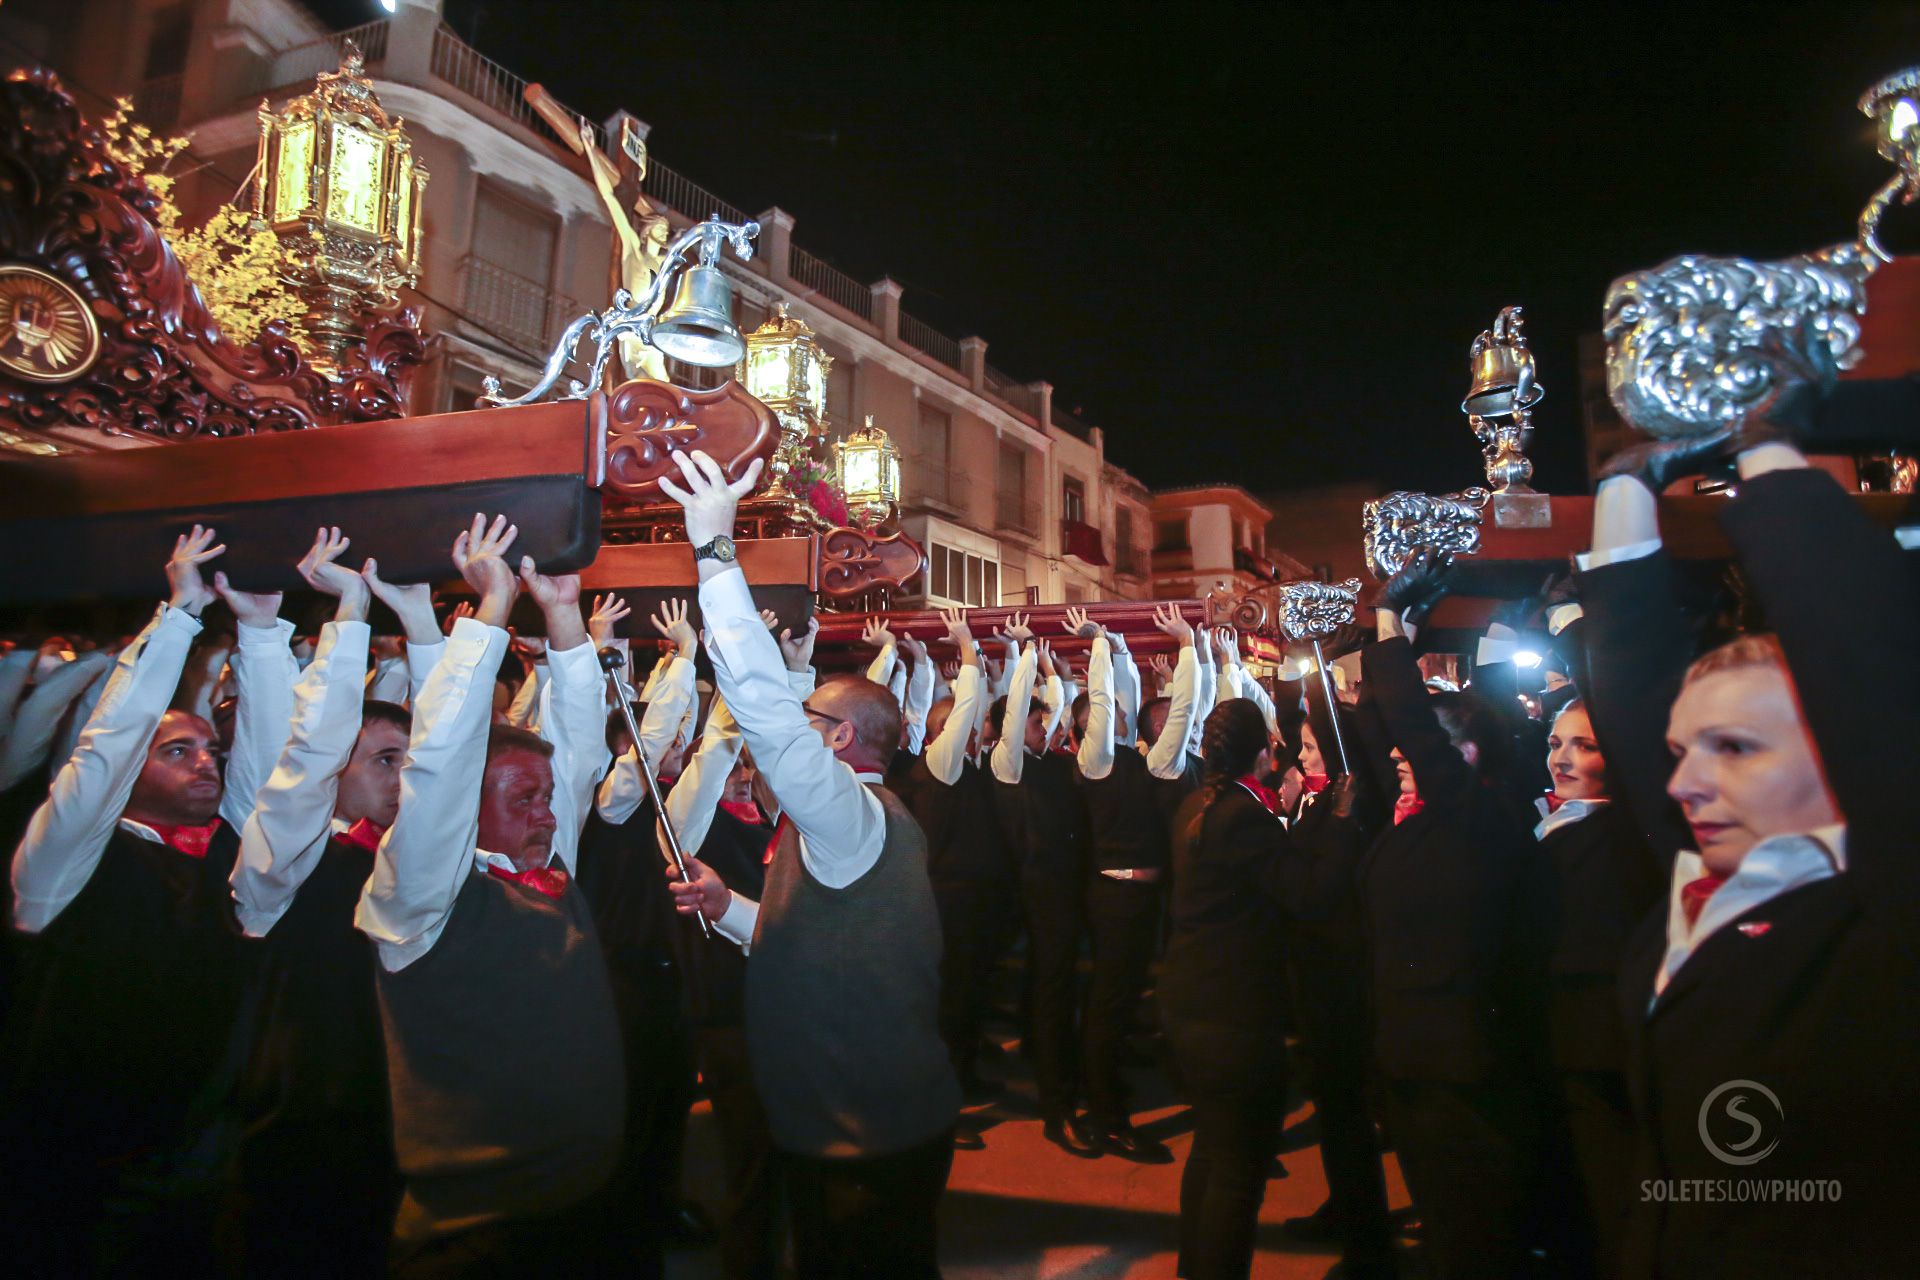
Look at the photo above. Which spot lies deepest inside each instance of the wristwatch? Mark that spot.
(720, 548)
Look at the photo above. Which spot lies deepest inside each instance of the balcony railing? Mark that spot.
(465, 68)
(923, 337)
(1015, 514)
(159, 102)
(831, 283)
(1130, 559)
(1016, 394)
(682, 195)
(523, 312)
(305, 61)
(933, 482)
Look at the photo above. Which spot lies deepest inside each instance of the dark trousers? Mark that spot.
(1052, 903)
(1600, 1125)
(1330, 1012)
(317, 1198)
(1123, 917)
(592, 1238)
(868, 1218)
(1236, 1081)
(659, 1057)
(972, 920)
(748, 1249)
(1467, 1151)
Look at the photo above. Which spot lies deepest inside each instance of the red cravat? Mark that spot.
(548, 880)
(1314, 783)
(1694, 895)
(1553, 801)
(1406, 806)
(191, 841)
(1269, 799)
(363, 834)
(779, 830)
(745, 810)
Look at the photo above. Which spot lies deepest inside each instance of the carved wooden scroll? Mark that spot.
(853, 562)
(648, 422)
(162, 367)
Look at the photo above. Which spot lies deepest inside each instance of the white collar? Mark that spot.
(858, 776)
(484, 861)
(140, 829)
(1569, 812)
(1772, 867)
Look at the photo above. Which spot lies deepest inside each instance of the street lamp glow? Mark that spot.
(1527, 659)
(389, 5)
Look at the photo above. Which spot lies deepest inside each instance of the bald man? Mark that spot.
(844, 984)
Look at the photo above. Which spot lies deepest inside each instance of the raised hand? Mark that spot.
(462, 610)
(260, 610)
(1162, 667)
(479, 553)
(961, 635)
(191, 550)
(1062, 666)
(915, 647)
(1080, 625)
(607, 610)
(1017, 629)
(559, 599)
(702, 893)
(772, 620)
(876, 633)
(672, 623)
(411, 602)
(950, 671)
(799, 653)
(1226, 643)
(323, 572)
(1047, 668)
(1167, 621)
(709, 499)
(529, 649)
(1420, 584)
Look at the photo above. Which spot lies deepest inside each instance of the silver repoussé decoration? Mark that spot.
(627, 315)
(1698, 344)
(1314, 610)
(1400, 522)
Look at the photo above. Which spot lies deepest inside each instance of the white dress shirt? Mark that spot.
(1569, 812)
(1239, 683)
(1771, 868)
(669, 697)
(69, 831)
(426, 856)
(919, 702)
(524, 711)
(946, 755)
(389, 681)
(1167, 756)
(696, 795)
(264, 672)
(292, 823)
(1095, 756)
(15, 667)
(80, 712)
(1002, 684)
(1009, 758)
(37, 723)
(841, 823)
(1206, 693)
(1126, 686)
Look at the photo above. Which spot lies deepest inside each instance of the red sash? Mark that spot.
(549, 880)
(192, 841)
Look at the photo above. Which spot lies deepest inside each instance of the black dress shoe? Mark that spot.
(1066, 1135)
(975, 1091)
(1314, 1228)
(1130, 1144)
(968, 1140)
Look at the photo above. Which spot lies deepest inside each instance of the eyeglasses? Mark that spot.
(821, 715)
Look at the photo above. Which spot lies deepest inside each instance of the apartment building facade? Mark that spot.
(1012, 499)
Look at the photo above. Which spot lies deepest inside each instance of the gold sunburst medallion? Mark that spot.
(47, 334)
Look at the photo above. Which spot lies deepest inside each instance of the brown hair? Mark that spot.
(1748, 651)
(503, 738)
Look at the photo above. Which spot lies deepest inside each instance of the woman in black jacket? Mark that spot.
(1770, 1008)
(1222, 992)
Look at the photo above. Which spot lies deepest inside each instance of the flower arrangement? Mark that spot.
(813, 484)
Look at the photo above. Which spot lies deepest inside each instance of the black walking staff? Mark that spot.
(1312, 610)
(614, 662)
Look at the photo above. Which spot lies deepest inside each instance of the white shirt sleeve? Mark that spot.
(15, 667)
(573, 718)
(81, 711)
(946, 755)
(696, 796)
(670, 695)
(524, 711)
(1206, 693)
(292, 821)
(919, 702)
(389, 681)
(421, 660)
(841, 823)
(38, 722)
(1096, 747)
(1003, 683)
(264, 673)
(880, 670)
(427, 854)
(1243, 685)
(70, 829)
(1010, 752)
(1167, 756)
(1053, 698)
(1126, 690)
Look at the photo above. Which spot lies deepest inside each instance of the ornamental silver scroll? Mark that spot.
(1313, 610)
(1398, 523)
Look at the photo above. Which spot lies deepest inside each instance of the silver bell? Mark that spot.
(698, 328)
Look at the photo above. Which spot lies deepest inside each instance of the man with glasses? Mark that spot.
(843, 991)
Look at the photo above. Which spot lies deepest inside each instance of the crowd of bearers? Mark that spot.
(381, 963)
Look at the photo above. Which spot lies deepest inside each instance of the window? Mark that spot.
(1073, 500)
(461, 388)
(1126, 556)
(840, 391)
(1011, 493)
(1170, 535)
(509, 270)
(935, 454)
(959, 578)
(167, 46)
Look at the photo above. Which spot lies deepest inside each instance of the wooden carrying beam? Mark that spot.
(98, 526)
(840, 632)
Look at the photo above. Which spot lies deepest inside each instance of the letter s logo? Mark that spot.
(1755, 1128)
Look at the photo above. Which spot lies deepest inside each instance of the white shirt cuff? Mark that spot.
(1615, 555)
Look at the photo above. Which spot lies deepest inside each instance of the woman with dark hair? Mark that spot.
(1769, 1008)
(1451, 894)
(1222, 990)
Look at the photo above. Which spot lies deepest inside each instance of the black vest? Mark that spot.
(1043, 817)
(714, 968)
(964, 843)
(1125, 816)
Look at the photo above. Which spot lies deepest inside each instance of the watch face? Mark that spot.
(723, 549)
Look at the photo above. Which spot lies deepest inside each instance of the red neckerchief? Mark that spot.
(1268, 798)
(1406, 806)
(665, 782)
(364, 834)
(1694, 895)
(1314, 783)
(1553, 801)
(745, 810)
(549, 880)
(192, 841)
(779, 829)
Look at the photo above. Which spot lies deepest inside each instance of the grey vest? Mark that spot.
(843, 995)
(504, 1059)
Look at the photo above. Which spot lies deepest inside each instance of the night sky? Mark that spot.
(1253, 243)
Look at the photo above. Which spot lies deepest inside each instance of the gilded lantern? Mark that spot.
(868, 469)
(338, 183)
(786, 370)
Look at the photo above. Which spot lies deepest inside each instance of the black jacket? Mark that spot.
(1817, 999)
(1453, 907)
